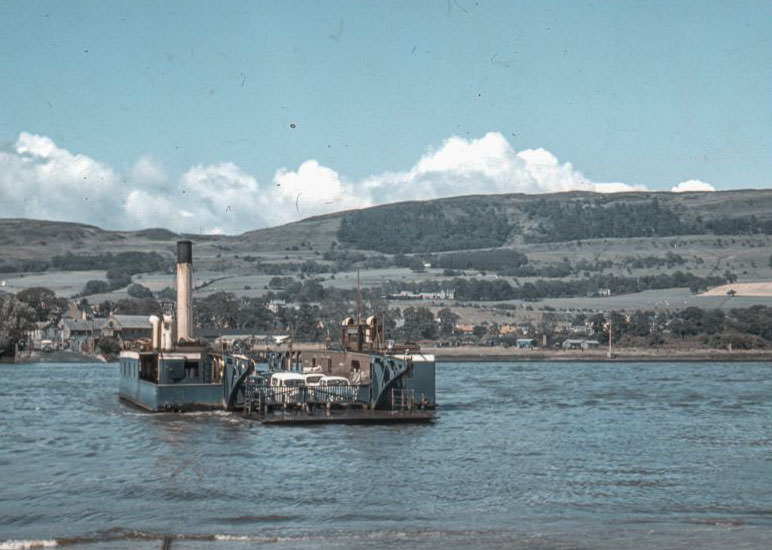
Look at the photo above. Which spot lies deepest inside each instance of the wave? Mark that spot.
(260, 519)
(27, 544)
(174, 414)
(118, 534)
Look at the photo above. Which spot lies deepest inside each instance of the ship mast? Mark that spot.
(610, 337)
(359, 301)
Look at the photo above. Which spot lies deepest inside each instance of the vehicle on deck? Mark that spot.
(287, 387)
(335, 388)
(313, 378)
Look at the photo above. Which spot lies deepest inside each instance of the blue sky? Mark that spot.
(198, 99)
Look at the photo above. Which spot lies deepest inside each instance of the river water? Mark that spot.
(533, 456)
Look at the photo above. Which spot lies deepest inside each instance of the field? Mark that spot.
(245, 264)
(63, 283)
(762, 290)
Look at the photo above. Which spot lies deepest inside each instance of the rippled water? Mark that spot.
(536, 456)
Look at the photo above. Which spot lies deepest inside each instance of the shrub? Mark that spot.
(139, 291)
(95, 286)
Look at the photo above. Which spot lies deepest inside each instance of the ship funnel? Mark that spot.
(184, 290)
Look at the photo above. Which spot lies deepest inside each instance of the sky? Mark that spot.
(228, 116)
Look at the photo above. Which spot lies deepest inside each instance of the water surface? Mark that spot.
(652, 455)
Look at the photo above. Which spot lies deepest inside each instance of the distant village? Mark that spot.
(62, 325)
(36, 322)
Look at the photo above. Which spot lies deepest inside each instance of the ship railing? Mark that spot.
(334, 394)
(299, 395)
(280, 395)
(407, 399)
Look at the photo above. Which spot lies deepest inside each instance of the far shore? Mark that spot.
(500, 354)
(490, 354)
(61, 356)
(497, 354)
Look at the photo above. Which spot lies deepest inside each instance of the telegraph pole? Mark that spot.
(610, 353)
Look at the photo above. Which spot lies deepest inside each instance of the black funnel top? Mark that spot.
(184, 252)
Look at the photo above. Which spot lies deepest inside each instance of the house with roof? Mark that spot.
(580, 344)
(507, 329)
(128, 328)
(43, 333)
(525, 343)
(464, 328)
(81, 334)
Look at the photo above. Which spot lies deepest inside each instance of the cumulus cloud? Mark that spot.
(311, 190)
(147, 171)
(218, 198)
(692, 185)
(485, 165)
(39, 179)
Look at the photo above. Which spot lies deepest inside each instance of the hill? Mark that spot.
(573, 245)
(457, 223)
(495, 220)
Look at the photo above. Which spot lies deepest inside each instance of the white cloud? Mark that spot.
(616, 187)
(485, 165)
(38, 146)
(218, 198)
(38, 179)
(148, 210)
(146, 171)
(41, 180)
(692, 185)
(310, 190)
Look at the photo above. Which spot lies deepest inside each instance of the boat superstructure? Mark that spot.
(177, 373)
(361, 380)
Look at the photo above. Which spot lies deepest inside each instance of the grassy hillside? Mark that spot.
(491, 221)
(458, 223)
(455, 224)
(568, 245)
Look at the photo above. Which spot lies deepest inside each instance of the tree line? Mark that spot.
(425, 227)
(450, 225)
(472, 289)
(740, 328)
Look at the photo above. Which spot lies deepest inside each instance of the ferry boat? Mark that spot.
(363, 379)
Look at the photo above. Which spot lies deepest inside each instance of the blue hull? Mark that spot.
(172, 397)
(139, 387)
